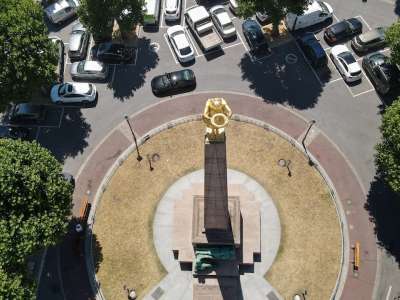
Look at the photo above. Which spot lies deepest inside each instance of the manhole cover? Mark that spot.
(154, 47)
(157, 293)
(291, 58)
(282, 162)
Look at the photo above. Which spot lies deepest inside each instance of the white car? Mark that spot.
(346, 64)
(233, 6)
(172, 10)
(222, 21)
(180, 42)
(73, 92)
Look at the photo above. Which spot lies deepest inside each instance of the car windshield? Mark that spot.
(71, 3)
(65, 88)
(228, 26)
(81, 67)
(185, 51)
(347, 57)
(323, 7)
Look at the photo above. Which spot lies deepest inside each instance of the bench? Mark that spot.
(356, 256)
(84, 212)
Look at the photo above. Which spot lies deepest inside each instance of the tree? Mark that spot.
(387, 157)
(276, 9)
(99, 16)
(392, 36)
(35, 202)
(15, 286)
(28, 58)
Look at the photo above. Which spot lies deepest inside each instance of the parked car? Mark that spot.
(254, 36)
(61, 57)
(73, 92)
(89, 70)
(172, 10)
(222, 21)
(27, 112)
(263, 18)
(233, 5)
(14, 132)
(113, 53)
(346, 63)
(384, 75)
(173, 82)
(313, 50)
(315, 13)
(373, 39)
(180, 43)
(62, 10)
(343, 30)
(78, 42)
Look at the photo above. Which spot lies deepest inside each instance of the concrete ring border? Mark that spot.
(341, 278)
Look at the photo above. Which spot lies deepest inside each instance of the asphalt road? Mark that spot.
(349, 115)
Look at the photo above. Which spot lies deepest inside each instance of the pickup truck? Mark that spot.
(199, 21)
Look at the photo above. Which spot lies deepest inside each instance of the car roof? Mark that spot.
(339, 27)
(198, 13)
(181, 40)
(250, 24)
(75, 40)
(224, 17)
(355, 22)
(92, 65)
(372, 34)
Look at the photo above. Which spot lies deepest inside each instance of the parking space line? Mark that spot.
(365, 75)
(113, 75)
(162, 12)
(308, 63)
(169, 47)
(37, 133)
(362, 93)
(61, 117)
(230, 46)
(244, 45)
(336, 18)
(327, 48)
(334, 80)
(345, 83)
(362, 19)
(90, 47)
(191, 41)
(182, 13)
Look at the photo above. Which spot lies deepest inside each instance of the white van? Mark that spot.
(316, 12)
(151, 12)
(172, 10)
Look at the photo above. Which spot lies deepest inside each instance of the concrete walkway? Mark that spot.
(163, 238)
(328, 158)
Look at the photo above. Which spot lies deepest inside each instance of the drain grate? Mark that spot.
(272, 296)
(157, 293)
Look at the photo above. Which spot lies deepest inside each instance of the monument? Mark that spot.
(224, 236)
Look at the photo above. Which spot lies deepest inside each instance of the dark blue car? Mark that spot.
(254, 36)
(313, 50)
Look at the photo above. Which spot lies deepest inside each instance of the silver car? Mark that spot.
(62, 10)
(89, 70)
(78, 42)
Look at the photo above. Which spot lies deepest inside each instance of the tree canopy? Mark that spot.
(28, 58)
(99, 15)
(15, 286)
(388, 151)
(392, 36)
(276, 9)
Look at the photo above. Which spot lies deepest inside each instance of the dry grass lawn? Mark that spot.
(309, 255)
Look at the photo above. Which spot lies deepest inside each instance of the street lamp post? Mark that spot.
(310, 162)
(139, 158)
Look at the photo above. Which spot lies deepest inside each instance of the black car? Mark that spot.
(342, 30)
(254, 36)
(313, 50)
(173, 82)
(27, 112)
(14, 132)
(263, 18)
(384, 75)
(113, 53)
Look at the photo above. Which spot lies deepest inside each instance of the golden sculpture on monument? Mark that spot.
(216, 116)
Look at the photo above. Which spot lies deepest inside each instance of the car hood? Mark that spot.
(171, 5)
(336, 50)
(81, 87)
(354, 67)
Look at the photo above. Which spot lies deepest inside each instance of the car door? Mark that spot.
(343, 69)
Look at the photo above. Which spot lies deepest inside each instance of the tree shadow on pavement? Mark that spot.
(383, 206)
(130, 77)
(277, 81)
(70, 139)
(96, 252)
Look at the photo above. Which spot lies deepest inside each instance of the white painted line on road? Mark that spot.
(365, 75)
(59, 273)
(113, 76)
(244, 45)
(327, 49)
(362, 93)
(334, 80)
(169, 47)
(89, 48)
(182, 13)
(139, 31)
(345, 83)
(362, 19)
(191, 41)
(230, 46)
(308, 63)
(162, 13)
(388, 293)
(336, 18)
(61, 116)
(388, 2)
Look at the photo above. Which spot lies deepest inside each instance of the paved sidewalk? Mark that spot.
(329, 157)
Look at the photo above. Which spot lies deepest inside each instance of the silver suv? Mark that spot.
(78, 42)
(62, 10)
